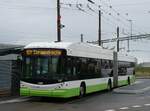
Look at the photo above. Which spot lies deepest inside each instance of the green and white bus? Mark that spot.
(62, 69)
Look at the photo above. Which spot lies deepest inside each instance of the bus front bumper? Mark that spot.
(61, 93)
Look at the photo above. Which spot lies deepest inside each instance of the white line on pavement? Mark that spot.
(146, 104)
(124, 108)
(136, 106)
(15, 100)
(138, 82)
(110, 110)
(118, 90)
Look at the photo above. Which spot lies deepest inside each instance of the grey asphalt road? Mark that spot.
(100, 101)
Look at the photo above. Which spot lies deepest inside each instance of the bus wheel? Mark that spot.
(129, 81)
(109, 86)
(82, 90)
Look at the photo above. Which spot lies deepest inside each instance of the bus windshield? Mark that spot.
(42, 69)
(42, 66)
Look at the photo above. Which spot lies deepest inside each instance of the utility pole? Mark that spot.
(115, 69)
(115, 62)
(117, 39)
(99, 29)
(128, 46)
(58, 22)
(81, 37)
(130, 35)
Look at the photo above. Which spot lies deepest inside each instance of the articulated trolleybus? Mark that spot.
(62, 69)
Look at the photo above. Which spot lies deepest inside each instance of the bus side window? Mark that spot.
(78, 66)
(68, 66)
(71, 68)
(97, 68)
(74, 67)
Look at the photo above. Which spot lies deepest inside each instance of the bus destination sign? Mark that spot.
(37, 52)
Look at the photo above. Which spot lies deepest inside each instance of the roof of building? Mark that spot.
(6, 46)
(6, 49)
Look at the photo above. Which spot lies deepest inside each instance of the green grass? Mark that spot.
(142, 71)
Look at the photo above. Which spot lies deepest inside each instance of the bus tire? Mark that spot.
(82, 90)
(109, 85)
(129, 81)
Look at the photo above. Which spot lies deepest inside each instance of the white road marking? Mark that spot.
(136, 106)
(146, 104)
(118, 90)
(110, 110)
(124, 108)
(17, 100)
(138, 82)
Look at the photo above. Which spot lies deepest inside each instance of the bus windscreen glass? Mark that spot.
(44, 66)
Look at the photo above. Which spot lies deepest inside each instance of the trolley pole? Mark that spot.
(58, 22)
(99, 29)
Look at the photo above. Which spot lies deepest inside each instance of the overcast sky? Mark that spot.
(25, 21)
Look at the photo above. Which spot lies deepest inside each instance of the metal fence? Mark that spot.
(9, 77)
(5, 77)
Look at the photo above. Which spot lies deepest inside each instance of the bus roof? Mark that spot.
(81, 50)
